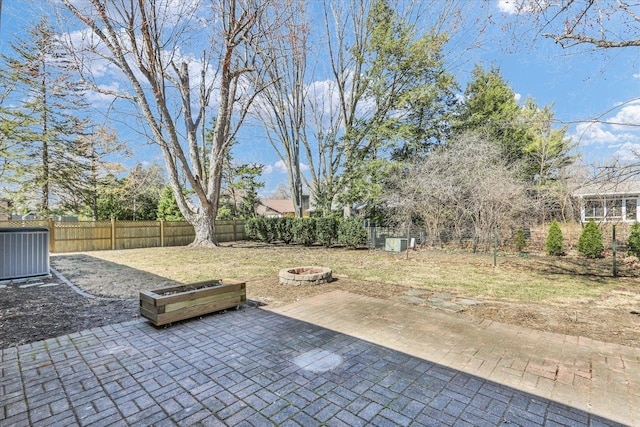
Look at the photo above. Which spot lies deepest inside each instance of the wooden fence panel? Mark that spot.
(85, 236)
(225, 231)
(178, 233)
(81, 236)
(13, 223)
(137, 234)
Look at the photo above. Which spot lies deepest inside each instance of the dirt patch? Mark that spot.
(43, 309)
(104, 278)
(597, 320)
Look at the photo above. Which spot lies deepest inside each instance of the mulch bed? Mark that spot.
(42, 309)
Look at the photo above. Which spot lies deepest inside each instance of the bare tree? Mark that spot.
(463, 189)
(601, 24)
(150, 42)
(281, 107)
(282, 192)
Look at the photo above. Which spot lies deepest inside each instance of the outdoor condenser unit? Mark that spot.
(24, 253)
(395, 244)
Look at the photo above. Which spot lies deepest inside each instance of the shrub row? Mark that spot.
(590, 244)
(308, 231)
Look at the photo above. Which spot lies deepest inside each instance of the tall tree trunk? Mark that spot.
(204, 225)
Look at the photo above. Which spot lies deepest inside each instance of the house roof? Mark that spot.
(281, 206)
(609, 189)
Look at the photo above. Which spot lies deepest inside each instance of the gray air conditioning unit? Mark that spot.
(24, 253)
(395, 244)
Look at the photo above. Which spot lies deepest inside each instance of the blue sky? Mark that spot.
(582, 85)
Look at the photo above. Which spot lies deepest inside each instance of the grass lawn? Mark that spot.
(567, 295)
(517, 279)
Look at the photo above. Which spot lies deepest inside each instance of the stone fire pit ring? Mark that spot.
(301, 276)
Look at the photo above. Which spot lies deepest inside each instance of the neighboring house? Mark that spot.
(281, 207)
(5, 205)
(610, 202)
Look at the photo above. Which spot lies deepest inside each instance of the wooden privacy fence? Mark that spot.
(84, 236)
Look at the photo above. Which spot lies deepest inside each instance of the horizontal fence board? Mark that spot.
(86, 236)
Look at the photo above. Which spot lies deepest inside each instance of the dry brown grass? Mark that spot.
(568, 294)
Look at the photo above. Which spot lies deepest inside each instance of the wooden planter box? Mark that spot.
(173, 303)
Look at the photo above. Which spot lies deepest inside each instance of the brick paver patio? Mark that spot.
(255, 368)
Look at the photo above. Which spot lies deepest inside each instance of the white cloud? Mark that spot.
(591, 133)
(619, 133)
(636, 75)
(517, 96)
(517, 7)
(628, 151)
(629, 115)
(102, 98)
(508, 6)
(280, 167)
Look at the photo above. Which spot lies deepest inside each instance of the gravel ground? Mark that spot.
(41, 309)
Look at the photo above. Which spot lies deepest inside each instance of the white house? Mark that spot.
(610, 202)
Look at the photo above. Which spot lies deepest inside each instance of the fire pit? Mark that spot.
(298, 276)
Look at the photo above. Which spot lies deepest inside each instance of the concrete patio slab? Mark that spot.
(591, 376)
(255, 367)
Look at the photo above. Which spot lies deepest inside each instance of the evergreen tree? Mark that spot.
(519, 240)
(46, 92)
(408, 95)
(132, 198)
(110, 203)
(554, 243)
(95, 150)
(490, 108)
(590, 242)
(13, 138)
(549, 150)
(547, 157)
(168, 207)
(633, 245)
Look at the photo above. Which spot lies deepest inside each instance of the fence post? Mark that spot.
(614, 248)
(113, 234)
(235, 233)
(408, 239)
(495, 246)
(162, 233)
(52, 235)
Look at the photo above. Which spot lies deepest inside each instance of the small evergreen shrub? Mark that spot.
(519, 240)
(251, 229)
(633, 245)
(352, 233)
(261, 228)
(304, 231)
(554, 245)
(590, 242)
(326, 230)
(284, 229)
(271, 229)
